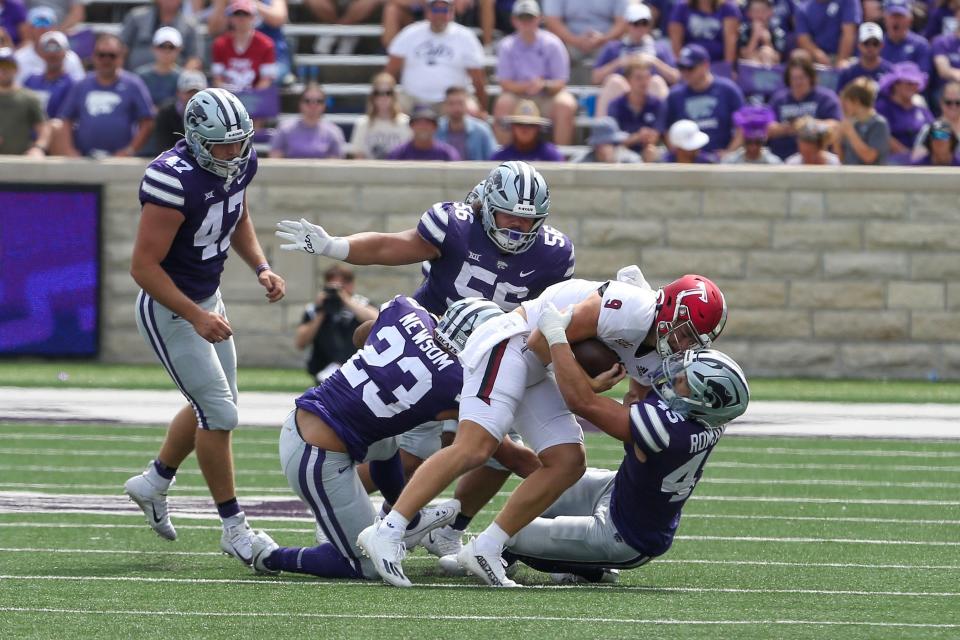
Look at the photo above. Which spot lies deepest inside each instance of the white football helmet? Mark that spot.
(216, 116)
(517, 189)
(460, 321)
(718, 388)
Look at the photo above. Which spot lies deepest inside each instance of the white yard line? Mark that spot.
(497, 618)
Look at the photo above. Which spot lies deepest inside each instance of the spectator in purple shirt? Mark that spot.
(309, 136)
(638, 113)
(424, 145)
(902, 44)
(54, 83)
(533, 64)
(608, 70)
(946, 55)
(897, 105)
(801, 97)
(708, 100)
(712, 24)
(936, 146)
(828, 29)
(13, 15)
(869, 64)
(940, 19)
(526, 128)
(108, 112)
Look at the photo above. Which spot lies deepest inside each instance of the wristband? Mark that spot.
(337, 248)
(262, 267)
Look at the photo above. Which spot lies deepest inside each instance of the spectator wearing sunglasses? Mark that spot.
(384, 126)
(712, 24)
(950, 105)
(638, 43)
(870, 64)
(53, 85)
(42, 20)
(161, 76)
(109, 112)
(936, 146)
(827, 29)
(309, 136)
(902, 44)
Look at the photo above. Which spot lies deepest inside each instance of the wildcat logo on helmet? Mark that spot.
(196, 115)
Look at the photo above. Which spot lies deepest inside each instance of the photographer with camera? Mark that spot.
(328, 323)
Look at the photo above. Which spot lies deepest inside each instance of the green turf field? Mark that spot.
(81, 374)
(784, 538)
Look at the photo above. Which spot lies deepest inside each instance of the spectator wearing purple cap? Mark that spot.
(53, 85)
(13, 18)
(424, 144)
(108, 112)
(801, 97)
(712, 24)
(760, 38)
(585, 26)
(812, 140)
(687, 144)
(902, 44)
(827, 29)
(863, 136)
(24, 129)
(936, 146)
(41, 20)
(752, 121)
(533, 65)
(945, 51)
(896, 103)
(870, 64)
(309, 136)
(606, 144)
(638, 113)
(526, 129)
(707, 100)
(141, 25)
(608, 69)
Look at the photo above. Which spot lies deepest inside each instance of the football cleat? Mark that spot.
(487, 566)
(153, 501)
(442, 542)
(262, 546)
(237, 539)
(385, 554)
(606, 576)
(431, 517)
(450, 567)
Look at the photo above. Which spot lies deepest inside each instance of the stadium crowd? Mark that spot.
(702, 81)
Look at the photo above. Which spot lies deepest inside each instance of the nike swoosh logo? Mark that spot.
(524, 274)
(156, 520)
(344, 469)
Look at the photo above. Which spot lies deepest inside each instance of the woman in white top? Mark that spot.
(384, 126)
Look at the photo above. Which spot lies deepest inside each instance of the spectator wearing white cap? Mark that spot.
(606, 144)
(41, 20)
(870, 64)
(533, 65)
(53, 85)
(637, 44)
(23, 128)
(686, 143)
(141, 24)
(161, 76)
(66, 13)
(168, 123)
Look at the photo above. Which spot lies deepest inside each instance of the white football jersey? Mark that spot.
(626, 314)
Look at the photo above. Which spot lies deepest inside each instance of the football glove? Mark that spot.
(310, 238)
(553, 324)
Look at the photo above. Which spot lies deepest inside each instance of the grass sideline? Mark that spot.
(83, 374)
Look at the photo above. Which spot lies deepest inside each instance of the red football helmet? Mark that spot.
(691, 313)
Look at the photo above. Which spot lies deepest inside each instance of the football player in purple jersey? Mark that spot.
(624, 518)
(496, 246)
(194, 206)
(406, 374)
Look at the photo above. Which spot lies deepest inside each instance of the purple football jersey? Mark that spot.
(648, 496)
(470, 264)
(210, 209)
(400, 379)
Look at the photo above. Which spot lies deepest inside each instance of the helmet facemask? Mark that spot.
(228, 169)
(703, 385)
(511, 240)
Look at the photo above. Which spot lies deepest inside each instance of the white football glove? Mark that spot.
(633, 275)
(311, 238)
(553, 324)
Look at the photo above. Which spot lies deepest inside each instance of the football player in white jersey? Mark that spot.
(506, 385)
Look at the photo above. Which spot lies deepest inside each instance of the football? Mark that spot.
(594, 356)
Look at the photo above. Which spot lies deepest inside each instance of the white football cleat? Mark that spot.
(153, 501)
(486, 566)
(444, 541)
(609, 576)
(237, 538)
(431, 517)
(262, 546)
(385, 554)
(450, 567)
